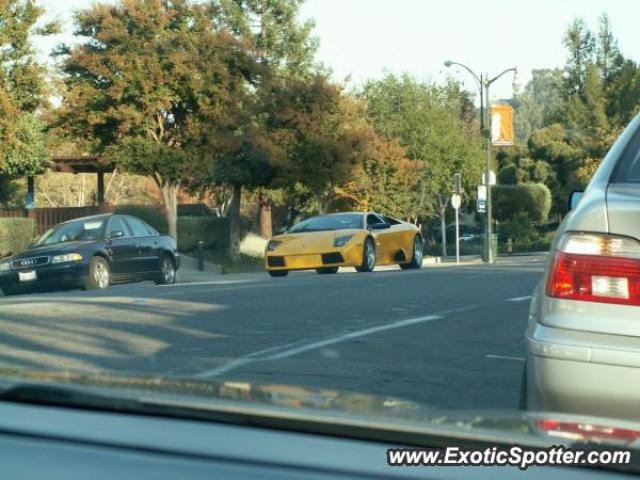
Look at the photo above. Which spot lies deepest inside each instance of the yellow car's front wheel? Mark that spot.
(368, 257)
(416, 256)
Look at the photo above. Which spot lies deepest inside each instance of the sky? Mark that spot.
(361, 39)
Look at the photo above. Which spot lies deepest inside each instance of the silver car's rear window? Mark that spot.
(628, 168)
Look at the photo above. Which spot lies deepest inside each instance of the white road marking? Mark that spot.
(288, 351)
(224, 368)
(505, 357)
(349, 336)
(519, 299)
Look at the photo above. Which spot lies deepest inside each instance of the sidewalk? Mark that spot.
(189, 273)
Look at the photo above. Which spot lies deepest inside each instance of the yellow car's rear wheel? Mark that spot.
(327, 270)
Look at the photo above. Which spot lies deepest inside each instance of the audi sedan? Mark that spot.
(92, 253)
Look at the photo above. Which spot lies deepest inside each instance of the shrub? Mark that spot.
(213, 231)
(16, 234)
(151, 215)
(527, 200)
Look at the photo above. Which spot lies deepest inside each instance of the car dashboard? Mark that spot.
(44, 442)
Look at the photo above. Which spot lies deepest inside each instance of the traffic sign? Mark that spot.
(482, 192)
(456, 201)
(482, 206)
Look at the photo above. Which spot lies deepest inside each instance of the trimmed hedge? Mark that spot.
(150, 215)
(16, 234)
(526, 200)
(213, 231)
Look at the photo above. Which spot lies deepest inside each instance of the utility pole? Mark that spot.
(485, 129)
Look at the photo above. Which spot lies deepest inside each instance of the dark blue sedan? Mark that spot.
(93, 253)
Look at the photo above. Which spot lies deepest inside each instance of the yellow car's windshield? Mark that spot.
(330, 222)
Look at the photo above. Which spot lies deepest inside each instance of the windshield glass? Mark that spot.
(73, 231)
(329, 222)
(313, 199)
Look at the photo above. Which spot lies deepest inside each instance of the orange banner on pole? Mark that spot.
(502, 125)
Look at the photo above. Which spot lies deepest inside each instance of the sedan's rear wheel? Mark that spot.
(99, 274)
(278, 273)
(327, 270)
(167, 271)
(416, 260)
(368, 257)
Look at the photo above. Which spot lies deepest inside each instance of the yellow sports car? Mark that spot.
(328, 242)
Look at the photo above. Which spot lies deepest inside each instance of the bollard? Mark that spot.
(201, 255)
(509, 246)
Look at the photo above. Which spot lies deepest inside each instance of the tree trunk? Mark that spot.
(266, 226)
(170, 198)
(320, 204)
(234, 231)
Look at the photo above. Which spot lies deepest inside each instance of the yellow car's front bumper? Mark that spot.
(347, 256)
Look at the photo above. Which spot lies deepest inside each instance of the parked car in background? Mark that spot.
(93, 253)
(469, 237)
(350, 239)
(583, 335)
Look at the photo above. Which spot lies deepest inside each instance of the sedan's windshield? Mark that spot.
(329, 222)
(72, 232)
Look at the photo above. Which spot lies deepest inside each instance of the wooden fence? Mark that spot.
(45, 218)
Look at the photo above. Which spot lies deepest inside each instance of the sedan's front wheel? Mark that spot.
(99, 274)
(167, 271)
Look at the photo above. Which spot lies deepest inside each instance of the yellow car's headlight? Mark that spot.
(273, 244)
(67, 257)
(342, 241)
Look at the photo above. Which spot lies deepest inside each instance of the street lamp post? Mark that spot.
(485, 130)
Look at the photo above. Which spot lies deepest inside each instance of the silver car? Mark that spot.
(583, 334)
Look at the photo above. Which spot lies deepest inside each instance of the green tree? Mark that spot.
(23, 90)
(25, 151)
(540, 104)
(145, 73)
(284, 48)
(323, 134)
(608, 57)
(580, 44)
(429, 123)
(624, 93)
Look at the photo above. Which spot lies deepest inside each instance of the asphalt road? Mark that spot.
(449, 336)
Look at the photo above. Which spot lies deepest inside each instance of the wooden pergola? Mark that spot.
(79, 164)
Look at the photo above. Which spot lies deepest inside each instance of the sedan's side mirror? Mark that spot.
(115, 234)
(379, 226)
(574, 198)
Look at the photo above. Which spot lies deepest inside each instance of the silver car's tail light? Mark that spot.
(596, 268)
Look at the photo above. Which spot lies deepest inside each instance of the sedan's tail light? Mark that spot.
(596, 268)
